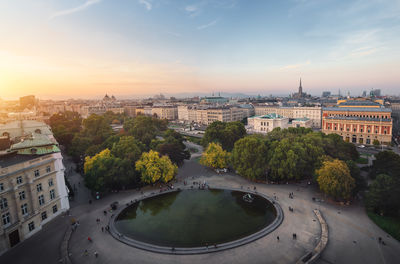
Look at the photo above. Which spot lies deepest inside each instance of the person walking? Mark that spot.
(96, 254)
(277, 238)
(89, 239)
(86, 253)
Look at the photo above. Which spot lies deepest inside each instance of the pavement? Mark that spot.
(353, 237)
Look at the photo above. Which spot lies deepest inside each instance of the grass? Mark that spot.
(362, 160)
(391, 225)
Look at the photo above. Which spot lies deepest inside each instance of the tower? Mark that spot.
(300, 90)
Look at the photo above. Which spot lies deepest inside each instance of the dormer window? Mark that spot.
(33, 151)
(38, 131)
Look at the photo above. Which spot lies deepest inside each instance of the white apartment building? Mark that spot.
(32, 185)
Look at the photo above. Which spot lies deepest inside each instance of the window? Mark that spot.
(6, 219)
(22, 195)
(31, 226)
(24, 209)
(39, 187)
(50, 182)
(3, 203)
(44, 215)
(19, 179)
(41, 199)
(48, 169)
(55, 209)
(52, 194)
(1, 187)
(37, 174)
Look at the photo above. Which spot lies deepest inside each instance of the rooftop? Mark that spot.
(363, 109)
(359, 118)
(269, 116)
(13, 158)
(360, 103)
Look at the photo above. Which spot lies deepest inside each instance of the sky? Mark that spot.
(131, 48)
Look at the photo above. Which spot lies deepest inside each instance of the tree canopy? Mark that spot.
(249, 157)
(335, 180)
(215, 157)
(154, 168)
(224, 133)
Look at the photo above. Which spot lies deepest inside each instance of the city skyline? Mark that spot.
(87, 48)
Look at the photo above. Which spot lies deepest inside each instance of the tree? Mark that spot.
(384, 197)
(96, 128)
(335, 147)
(153, 167)
(128, 147)
(145, 128)
(335, 180)
(224, 133)
(215, 157)
(376, 142)
(249, 157)
(172, 146)
(387, 162)
(288, 160)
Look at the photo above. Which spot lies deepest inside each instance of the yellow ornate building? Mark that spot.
(359, 121)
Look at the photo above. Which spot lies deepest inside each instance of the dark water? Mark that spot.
(193, 218)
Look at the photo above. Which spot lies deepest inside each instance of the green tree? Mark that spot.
(128, 147)
(387, 162)
(249, 157)
(383, 197)
(288, 160)
(215, 157)
(153, 167)
(224, 133)
(376, 142)
(335, 180)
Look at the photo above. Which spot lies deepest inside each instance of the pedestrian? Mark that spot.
(89, 239)
(96, 254)
(380, 240)
(102, 229)
(294, 236)
(85, 253)
(277, 238)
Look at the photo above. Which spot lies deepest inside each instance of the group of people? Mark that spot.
(291, 195)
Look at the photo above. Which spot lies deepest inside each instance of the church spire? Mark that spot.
(300, 88)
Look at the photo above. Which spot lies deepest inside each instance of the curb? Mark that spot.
(312, 256)
(64, 247)
(199, 250)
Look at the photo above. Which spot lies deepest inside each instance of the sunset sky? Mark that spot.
(86, 48)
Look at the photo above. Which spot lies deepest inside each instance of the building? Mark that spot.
(312, 113)
(359, 121)
(214, 100)
(165, 112)
(266, 123)
(32, 184)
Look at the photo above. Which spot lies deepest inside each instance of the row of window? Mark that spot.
(4, 202)
(36, 173)
(6, 218)
(363, 116)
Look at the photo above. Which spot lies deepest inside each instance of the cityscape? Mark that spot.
(215, 131)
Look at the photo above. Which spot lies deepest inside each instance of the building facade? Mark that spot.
(359, 123)
(312, 113)
(32, 184)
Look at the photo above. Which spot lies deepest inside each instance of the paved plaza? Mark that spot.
(353, 237)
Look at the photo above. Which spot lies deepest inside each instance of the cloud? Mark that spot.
(362, 52)
(212, 23)
(191, 8)
(146, 3)
(75, 9)
(295, 66)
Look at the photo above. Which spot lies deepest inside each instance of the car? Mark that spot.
(361, 146)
